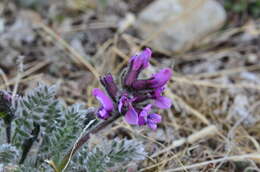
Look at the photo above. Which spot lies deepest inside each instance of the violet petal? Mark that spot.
(143, 114)
(106, 102)
(154, 118)
(141, 120)
(146, 110)
(131, 116)
(152, 126)
(163, 102)
(160, 79)
(141, 61)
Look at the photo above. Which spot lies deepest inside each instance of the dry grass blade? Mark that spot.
(254, 156)
(74, 54)
(27, 73)
(204, 133)
(225, 72)
(30, 78)
(215, 85)
(5, 79)
(187, 107)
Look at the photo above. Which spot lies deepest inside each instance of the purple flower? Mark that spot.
(131, 99)
(156, 81)
(137, 64)
(108, 82)
(150, 119)
(161, 101)
(106, 103)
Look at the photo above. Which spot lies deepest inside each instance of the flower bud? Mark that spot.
(136, 65)
(110, 86)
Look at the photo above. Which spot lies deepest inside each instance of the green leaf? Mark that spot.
(8, 153)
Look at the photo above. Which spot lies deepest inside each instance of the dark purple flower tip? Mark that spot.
(131, 116)
(109, 84)
(152, 120)
(137, 64)
(161, 101)
(106, 102)
(141, 61)
(140, 84)
(161, 78)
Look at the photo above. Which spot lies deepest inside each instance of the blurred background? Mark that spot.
(212, 46)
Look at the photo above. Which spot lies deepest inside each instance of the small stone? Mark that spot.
(176, 25)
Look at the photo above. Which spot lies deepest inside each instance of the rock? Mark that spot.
(176, 25)
(240, 110)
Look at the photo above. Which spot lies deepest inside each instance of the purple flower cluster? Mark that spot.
(137, 96)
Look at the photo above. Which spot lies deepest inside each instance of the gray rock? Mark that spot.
(176, 25)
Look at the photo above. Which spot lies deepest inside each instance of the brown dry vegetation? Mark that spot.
(214, 123)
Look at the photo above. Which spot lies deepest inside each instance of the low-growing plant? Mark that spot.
(251, 7)
(40, 133)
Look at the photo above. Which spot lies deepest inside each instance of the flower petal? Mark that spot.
(145, 110)
(122, 102)
(106, 102)
(141, 120)
(131, 116)
(152, 126)
(162, 102)
(141, 61)
(154, 118)
(158, 91)
(103, 114)
(160, 79)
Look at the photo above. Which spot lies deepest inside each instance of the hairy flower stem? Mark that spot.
(84, 139)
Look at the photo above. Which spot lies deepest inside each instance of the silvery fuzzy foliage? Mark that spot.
(65, 134)
(112, 154)
(59, 125)
(49, 129)
(39, 106)
(8, 154)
